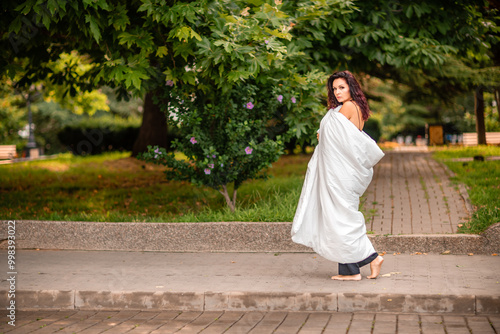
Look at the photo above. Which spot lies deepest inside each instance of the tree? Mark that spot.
(134, 45)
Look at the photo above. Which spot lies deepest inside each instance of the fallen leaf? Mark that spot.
(460, 225)
(446, 252)
(233, 261)
(418, 253)
(383, 253)
(386, 275)
(494, 254)
(470, 254)
(389, 300)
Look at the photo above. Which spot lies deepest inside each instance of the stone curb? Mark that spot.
(253, 301)
(220, 237)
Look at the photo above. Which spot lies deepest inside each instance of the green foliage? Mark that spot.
(482, 179)
(225, 137)
(115, 187)
(97, 135)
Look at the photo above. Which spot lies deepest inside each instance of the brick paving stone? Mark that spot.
(43, 322)
(455, 324)
(432, 324)
(480, 325)
(200, 323)
(413, 194)
(65, 321)
(361, 323)
(495, 322)
(338, 324)
(385, 324)
(87, 323)
(176, 324)
(292, 323)
(161, 319)
(22, 318)
(132, 323)
(110, 321)
(269, 323)
(315, 323)
(256, 322)
(246, 323)
(224, 322)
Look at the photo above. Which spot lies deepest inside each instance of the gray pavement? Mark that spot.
(250, 289)
(230, 322)
(251, 281)
(411, 193)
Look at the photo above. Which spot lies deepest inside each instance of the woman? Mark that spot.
(327, 217)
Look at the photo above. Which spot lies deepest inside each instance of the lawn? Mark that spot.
(482, 179)
(114, 187)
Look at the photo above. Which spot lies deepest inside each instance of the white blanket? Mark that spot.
(328, 218)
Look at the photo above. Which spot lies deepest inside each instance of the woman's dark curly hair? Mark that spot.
(355, 90)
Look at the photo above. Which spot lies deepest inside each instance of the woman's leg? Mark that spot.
(351, 272)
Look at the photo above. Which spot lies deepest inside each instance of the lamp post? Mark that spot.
(31, 149)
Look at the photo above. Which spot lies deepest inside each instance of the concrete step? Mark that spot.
(117, 280)
(221, 237)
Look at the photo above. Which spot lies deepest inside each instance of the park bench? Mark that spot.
(470, 138)
(8, 151)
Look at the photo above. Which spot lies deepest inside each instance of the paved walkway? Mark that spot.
(250, 282)
(231, 322)
(411, 193)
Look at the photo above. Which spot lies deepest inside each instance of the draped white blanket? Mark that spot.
(327, 217)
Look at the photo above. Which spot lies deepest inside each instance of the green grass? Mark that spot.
(451, 152)
(114, 187)
(482, 180)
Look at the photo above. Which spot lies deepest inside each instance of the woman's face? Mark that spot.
(341, 90)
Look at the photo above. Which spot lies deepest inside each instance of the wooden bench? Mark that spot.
(8, 151)
(470, 138)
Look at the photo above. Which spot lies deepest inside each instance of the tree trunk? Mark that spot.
(479, 110)
(497, 99)
(153, 130)
(225, 193)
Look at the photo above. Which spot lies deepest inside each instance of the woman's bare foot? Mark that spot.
(347, 277)
(375, 266)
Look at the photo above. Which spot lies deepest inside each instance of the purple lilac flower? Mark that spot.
(156, 156)
(193, 140)
(214, 156)
(222, 165)
(211, 165)
(157, 151)
(294, 99)
(169, 83)
(266, 41)
(207, 171)
(280, 98)
(248, 150)
(249, 105)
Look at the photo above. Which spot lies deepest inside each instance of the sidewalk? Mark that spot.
(255, 322)
(258, 268)
(250, 282)
(411, 193)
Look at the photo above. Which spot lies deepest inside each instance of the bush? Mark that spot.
(373, 129)
(100, 134)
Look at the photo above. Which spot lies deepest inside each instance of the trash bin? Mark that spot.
(435, 133)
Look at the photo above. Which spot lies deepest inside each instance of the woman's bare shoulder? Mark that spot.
(348, 109)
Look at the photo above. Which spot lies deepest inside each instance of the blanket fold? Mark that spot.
(327, 218)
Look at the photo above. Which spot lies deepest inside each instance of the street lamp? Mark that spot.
(31, 150)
